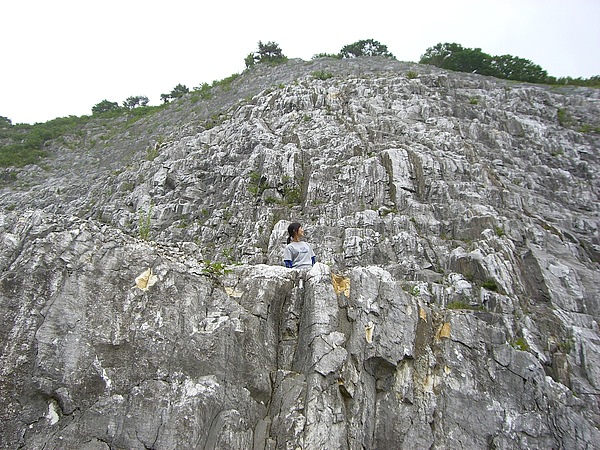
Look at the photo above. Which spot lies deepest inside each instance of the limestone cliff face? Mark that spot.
(455, 302)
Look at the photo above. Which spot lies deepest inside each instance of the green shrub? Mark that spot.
(322, 75)
(126, 186)
(151, 153)
(411, 75)
(564, 118)
(520, 344)
(141, 111)
(292, 195)
(566, 346)
(587, 128)
(257, 185)
(268, 53)
(16, 155)
(327, 55)
(105, 106)
(459, 304)
(225, 83)
(145, 223)
(215, 268)
(183, 223)
(26, 142)
(454, 56)
(205, 91)
(135, 101)
(215, 120)
(490, 285)
(365, 47)
(563, 81)
(228, 254)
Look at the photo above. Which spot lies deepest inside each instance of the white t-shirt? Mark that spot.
(300, 254)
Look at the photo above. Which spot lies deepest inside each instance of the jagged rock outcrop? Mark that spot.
(454, 305)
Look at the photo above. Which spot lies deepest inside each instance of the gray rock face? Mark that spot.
(454, 305)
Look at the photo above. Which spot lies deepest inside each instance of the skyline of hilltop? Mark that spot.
(62, 58)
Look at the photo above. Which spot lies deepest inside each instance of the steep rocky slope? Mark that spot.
(455, 303)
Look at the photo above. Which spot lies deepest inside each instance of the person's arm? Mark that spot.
(287, 257)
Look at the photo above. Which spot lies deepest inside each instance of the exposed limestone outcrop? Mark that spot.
(455, 303)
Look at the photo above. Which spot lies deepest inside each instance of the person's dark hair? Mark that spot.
(292, 230)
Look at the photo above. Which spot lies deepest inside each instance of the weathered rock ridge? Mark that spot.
(455, 303)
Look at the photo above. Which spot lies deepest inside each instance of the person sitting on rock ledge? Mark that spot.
(298, 254)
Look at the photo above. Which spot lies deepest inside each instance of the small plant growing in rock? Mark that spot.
(322, 75)
(144, 223)
(474, 101)
(204, 91)
(183, 223)
(152, 153)
(566, 346)
(459, 304)
(564, 118)
(587, 128)
(327, 55)
(520, 344)
(292, 195)
(411, 75)
(225, 83)
(215, 120)
(228, 254)
(490, 285)
(215, 268)
(257, 184)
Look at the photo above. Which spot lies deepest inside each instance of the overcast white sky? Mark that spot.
(62, 57)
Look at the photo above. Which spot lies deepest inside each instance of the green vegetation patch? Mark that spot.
(257, 184)
(458, 304)
(322, 75)
(25, 143)
(145, 223)
(520, 344)
(490, 285)
(214, 268)
(225, 83)
(453, 56)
